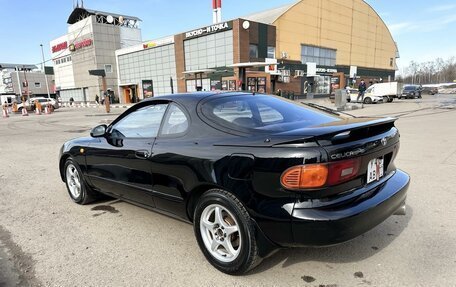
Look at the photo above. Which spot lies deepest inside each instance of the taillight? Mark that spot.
(319, 175)
(305, 176)
(342, 171)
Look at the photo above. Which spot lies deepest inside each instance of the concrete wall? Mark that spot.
(352, 27)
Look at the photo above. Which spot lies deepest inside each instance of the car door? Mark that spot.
(172, 164)
(119, 163)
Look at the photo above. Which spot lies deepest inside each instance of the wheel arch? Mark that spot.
(195, 195)
(62, 161)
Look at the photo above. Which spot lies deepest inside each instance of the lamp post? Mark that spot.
(44, 71)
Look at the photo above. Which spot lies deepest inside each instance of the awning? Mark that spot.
(129, 84)
(200, 71)
(251, 65)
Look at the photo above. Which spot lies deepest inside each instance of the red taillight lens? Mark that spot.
(342, 171)
(319, 175)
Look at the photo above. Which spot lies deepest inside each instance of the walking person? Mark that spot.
(97, 100)
(361, 89)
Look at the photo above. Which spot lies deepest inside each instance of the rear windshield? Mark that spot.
(263, 113)
(410, 88)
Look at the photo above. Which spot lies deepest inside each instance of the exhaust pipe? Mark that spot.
(400, 211)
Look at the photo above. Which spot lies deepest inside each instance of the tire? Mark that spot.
(368, 101)
(232, 254)
(390, 100)
(399, 97)
(77, 188)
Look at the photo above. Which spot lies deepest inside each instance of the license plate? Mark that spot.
(374, 170)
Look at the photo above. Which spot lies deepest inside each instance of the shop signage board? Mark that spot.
(59, 47)
(147, 88)
(81, 44)
(159, 42)
(272, 68)
(311, 69)
(209, 30)
(326, 70)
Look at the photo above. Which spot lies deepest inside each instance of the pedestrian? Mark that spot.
(361, 89)
(97, 100)
(71, 101)
(107, 102)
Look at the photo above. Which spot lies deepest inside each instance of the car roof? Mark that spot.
(195, 97)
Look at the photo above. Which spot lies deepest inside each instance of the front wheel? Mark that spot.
(225, 232)
(76, 185)
(368, 101)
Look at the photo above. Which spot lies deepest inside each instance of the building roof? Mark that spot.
(79, 12)
(271, 15)
(20, 66)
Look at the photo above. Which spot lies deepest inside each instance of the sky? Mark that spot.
(424, 30)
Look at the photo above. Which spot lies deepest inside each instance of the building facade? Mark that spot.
(22, 81)
(197, 60)
(306, 47)
(346, 37)
(90, 44)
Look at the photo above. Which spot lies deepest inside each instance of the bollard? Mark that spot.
(24, 112)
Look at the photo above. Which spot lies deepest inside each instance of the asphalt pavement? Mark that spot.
(47, 240)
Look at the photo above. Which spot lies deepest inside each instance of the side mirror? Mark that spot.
(98, 131)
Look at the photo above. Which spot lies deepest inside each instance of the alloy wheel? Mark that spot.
(73, 181)
(220, 233)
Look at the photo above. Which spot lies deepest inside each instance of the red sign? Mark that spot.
(83, 44)
(59, 47)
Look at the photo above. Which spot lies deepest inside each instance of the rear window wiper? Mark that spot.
(326, 109)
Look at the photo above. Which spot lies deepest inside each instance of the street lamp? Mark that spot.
(44, 71)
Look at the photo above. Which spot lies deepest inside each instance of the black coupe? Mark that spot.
(251, 172)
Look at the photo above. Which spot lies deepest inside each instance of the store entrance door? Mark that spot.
(126, 94)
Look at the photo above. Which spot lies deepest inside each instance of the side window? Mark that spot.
(143, 123)
(176, 122)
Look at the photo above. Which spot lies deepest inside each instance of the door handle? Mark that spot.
(142, 154)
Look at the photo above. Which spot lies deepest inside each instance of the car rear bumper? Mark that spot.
(347, 217)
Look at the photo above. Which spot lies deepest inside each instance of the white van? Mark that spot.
(388, 91)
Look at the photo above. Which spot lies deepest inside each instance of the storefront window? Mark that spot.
(154, 64)
(322, 84)
(271, 52)
(215, 50)
(108, 68)
(321, 56)
(253, 51)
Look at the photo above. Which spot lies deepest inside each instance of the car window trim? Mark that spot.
(179, 135)
(159, 102)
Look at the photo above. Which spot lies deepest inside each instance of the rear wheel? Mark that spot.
(368, 101)
(76, 185)
(225, 232)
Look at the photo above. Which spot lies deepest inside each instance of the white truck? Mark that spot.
(387, 91)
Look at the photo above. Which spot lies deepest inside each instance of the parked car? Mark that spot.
(411, 92)
(368, 98)
(430, 90)
(251, 172)
(30, 104)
